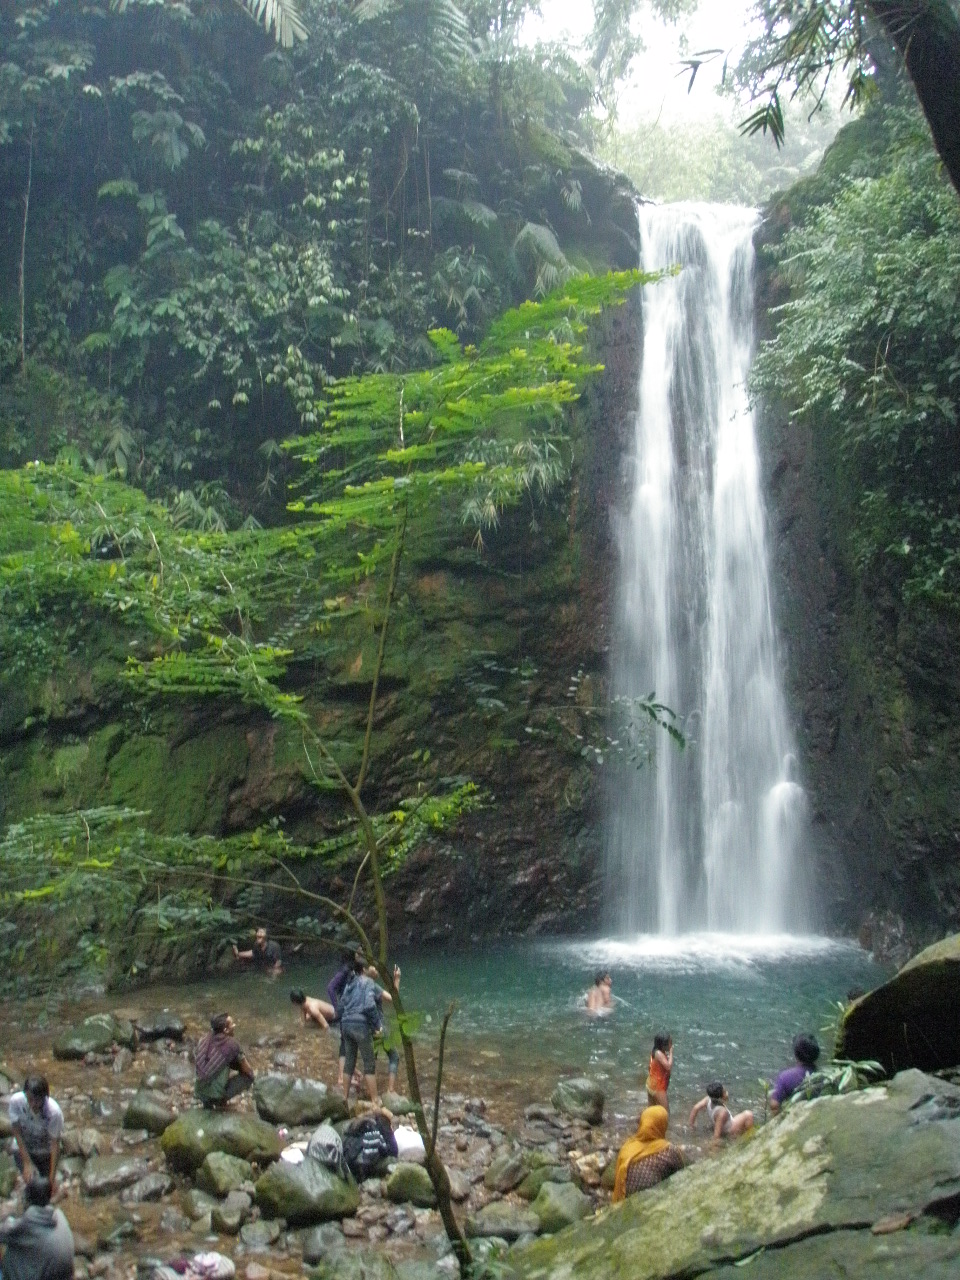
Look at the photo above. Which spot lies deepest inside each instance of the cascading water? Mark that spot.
(711, 837)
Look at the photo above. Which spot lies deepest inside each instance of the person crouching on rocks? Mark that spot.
(223, 1071)
(719, 1116)
(37, 1123)
(39, 1245)
(648, 1157)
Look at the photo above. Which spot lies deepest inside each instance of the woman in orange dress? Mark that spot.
(658, 1076)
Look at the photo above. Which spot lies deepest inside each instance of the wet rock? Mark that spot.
(260, 1235)
(129, 1138)
(529, 1188)
(581, 1099)
(354, 1230)
(410, 1184)
(502, 1219)
(192, 1136)
(397, 1104)
(902, 1024)
(160, 1026)
(105, 1175)
(356, 1264)
(197, 1203)
(506, 1171)
(113, 1236)
(96, 1034)
(825, 1167)
(559, 1205)
(285, 1061)
(295, 1101)
(459, 1185)
(121, 1060)
(150, 1111)
(399, 1222)
(173, 1222)
(152, 1187)
(220, 1174)
(227, 1218)
(322, 1243)
(306, 1193)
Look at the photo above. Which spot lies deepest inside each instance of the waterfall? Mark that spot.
(710, 837)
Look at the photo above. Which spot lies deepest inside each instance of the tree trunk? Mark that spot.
(926, 34)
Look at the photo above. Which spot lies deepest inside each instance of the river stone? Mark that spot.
(903, 1024)
(582, 1099)
(460, 1185)
(160, 1026)
(529, 1188)
(192, 1136)
(506, 1171)
(410, 1184)
(96, 1034)
(828, 1165)
(197, 1204)
(322, 1243)
(220, 1174)
(306, 1193)
(397, 1104)
(104, 1175)
(260, 1235)
(153, 1187)
(357, 1264)
(503, 1219)
(295, 1101)
(150, 1111)
(227, 1218)
(559, 1205)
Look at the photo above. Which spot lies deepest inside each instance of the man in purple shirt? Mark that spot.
(806, 1051)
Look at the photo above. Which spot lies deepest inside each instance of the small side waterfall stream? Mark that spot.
(711, 837)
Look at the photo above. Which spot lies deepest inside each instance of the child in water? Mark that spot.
(722, 1121)
(658, 1075)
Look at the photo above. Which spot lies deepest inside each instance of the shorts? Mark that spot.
(358, 1040)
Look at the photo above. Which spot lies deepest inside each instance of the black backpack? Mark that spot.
(366, 1143)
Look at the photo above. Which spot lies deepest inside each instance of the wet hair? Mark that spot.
(297, 996)
(715, 1091)
(36, 1087)
(218, 1023)
(661, 1042)
(600, 976)
(38, 1192)
(359, 963)
(806, 1050)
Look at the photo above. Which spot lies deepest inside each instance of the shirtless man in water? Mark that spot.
(599, 997)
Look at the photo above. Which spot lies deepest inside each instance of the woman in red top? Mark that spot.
(658, 1077)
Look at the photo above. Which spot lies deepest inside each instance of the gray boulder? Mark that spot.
(305, 1193)
(322, 1243)
(260, 1235)
(153, 1187)
(150, 1111)
(105, 1175)
(356, 1264)
(291, 1100)
(831, 1168)
(529, 1188)
(582, 1099)
(503, 1219)
(192, 1136)
(197, 1204)
(506, 1171)
(559, 1205)
(96, 1034)
(228, 1217)
(903, 1023)
(220, 1174)
(410, 1184)
(160, 1026)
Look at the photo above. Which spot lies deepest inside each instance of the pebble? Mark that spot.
(353, 1229)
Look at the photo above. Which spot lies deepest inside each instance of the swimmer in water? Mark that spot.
(599, 999)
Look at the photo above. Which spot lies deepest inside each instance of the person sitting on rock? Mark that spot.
(264, 954)
(806, 1050)
(599, 999)
(648, 1157)
(314, 1010)
(721, 1119)
(37, 1123)
(38, 1245)
(223, 1071)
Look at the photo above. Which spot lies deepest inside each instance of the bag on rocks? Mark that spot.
(325, 1147)
(366, 1143)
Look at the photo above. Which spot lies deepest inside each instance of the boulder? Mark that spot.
(322, 1243)
(96, 1034)
(459, 1185)
(152, 1187)
(260, 1235)
(529, 1188)
(506, 1171)
(357, 1264)
(410, 1184)
(192, 1136)
(397, 1104)
(160, 1026)
(903, 1024)
(294, 1101)
(197, 1204)
(305, 1193)
(104, 1175)
(828, 1168)
(220, 1174)
(559, 1205)
(502, 1219)
(227, 1218)
(150, 1111)
(582, 1099)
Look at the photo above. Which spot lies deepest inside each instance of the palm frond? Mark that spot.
(280, 16)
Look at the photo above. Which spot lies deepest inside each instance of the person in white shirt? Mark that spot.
(37, 1124)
